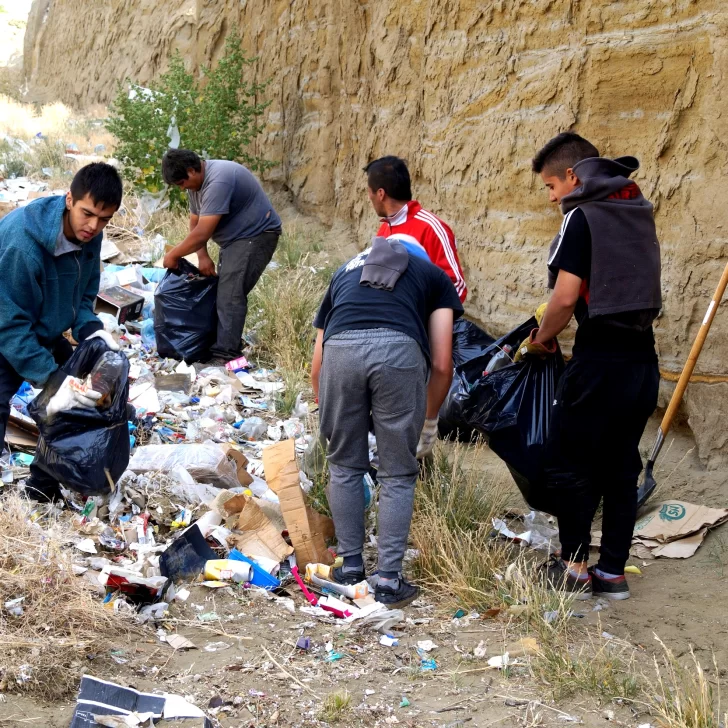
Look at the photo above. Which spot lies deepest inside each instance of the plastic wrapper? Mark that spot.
(80, 446)
(185, 313)
(205, 463)
(511, 407)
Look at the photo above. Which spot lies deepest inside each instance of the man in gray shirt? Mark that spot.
(227, 204)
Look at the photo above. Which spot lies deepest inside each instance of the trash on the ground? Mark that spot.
(101, 697)
(186, 557)
(675, 529)
(308, 529)
(631, 569)
(178, 642)
(15, 606)
(228, 570)
(388, 640)
(426, 645)
(121, 303)
(303, 643)
(427, 664)
(404, 703)
(480, 650)
(320, 575)
(500, 661)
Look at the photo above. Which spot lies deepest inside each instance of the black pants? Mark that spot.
(601, 409)
(241, 265)
(10, 382)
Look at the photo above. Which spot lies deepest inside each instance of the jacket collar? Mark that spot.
(400, 217)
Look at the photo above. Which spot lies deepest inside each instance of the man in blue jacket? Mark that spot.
(50, 262)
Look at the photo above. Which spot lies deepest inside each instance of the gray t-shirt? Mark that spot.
(64, 245)
(231, 190)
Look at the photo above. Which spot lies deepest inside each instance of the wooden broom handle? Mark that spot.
(687, 371)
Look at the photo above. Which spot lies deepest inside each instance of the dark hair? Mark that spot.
(175, 164)
(563, 152)
(99, 180)
(391, 175)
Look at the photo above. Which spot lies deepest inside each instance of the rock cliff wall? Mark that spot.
(466, 91)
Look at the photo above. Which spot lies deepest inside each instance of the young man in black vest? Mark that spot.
(604, 268)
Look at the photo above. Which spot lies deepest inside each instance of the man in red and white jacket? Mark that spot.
(390, 192)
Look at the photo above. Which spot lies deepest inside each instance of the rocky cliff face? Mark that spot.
(466, 91)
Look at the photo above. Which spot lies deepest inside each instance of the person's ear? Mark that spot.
(381, 194)
(571, 178)
(69, 200)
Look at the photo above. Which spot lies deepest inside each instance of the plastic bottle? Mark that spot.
(106, 376)
(499, 360)
(148, 338)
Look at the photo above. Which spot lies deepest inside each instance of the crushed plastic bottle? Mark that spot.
(499, 360)
(253, 428)
(106, 376)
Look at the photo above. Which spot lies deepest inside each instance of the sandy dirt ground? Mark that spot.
(247, 662)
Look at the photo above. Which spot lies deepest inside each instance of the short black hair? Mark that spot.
(175, 164)
(99, 180)
(391, 175)
(563, 152)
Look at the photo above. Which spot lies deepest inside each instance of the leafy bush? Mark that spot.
(217, 117)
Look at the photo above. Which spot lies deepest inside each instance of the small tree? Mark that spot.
(217, 118)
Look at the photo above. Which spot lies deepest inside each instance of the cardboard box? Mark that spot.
(241, 463)
(306, 528)
(120, 303)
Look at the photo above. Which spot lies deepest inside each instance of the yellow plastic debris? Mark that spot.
(632, 570)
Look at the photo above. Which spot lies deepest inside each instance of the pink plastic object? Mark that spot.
(237, 364)
(312, 599)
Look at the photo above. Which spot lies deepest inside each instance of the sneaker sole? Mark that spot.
(580, 596)
(614, 596)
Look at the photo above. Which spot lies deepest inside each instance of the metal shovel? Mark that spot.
(648, 484)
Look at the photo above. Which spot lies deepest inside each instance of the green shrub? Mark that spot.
(217, 118)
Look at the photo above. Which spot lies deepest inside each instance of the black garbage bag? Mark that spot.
(185, 313)
(78, 447)
(511, 407)
(468, 342)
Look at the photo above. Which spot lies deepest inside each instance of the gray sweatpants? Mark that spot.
(382, 372)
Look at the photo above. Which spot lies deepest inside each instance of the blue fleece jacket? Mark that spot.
(42, 296)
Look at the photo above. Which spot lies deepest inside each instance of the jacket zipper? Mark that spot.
(78, 280)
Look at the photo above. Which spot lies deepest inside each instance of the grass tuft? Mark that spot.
(335, 706)
(683, 697)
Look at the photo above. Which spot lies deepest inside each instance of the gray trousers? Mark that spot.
(241, 264)
(382, 372)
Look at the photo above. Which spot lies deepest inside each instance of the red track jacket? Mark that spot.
(435, 236)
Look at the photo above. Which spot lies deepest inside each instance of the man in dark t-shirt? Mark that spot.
(376, 346)
(604, 268)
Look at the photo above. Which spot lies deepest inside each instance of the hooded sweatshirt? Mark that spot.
(625, 255)
(42, 295)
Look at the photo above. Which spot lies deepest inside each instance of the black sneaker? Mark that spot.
(347, 577)
(396, 598)
(616, 588)
(559, 578)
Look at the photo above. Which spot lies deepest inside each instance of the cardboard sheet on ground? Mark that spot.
(308, 530)
(675, 529)
(256, 526)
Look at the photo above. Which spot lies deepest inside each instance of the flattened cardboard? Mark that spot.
(305, 528)
(673, 520)
(241, 464)
(682, 549)
(253, 520)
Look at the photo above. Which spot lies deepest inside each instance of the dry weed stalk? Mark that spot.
(63, 621)
(683, 698)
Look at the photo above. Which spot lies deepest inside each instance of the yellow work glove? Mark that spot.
(529, 347)
(540, 311)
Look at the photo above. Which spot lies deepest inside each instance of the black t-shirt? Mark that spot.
(629, 331)
(422, 289)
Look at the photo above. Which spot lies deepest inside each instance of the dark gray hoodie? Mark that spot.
(625, 258)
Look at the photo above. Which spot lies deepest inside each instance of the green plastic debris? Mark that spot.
(405, 703)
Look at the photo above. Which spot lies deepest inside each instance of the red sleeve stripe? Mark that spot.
(441, 233)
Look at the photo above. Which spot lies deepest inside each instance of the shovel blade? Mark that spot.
(646, 488)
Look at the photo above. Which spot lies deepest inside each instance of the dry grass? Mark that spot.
(63, 623)
(335, 706)
(451, 529)
(683, 697)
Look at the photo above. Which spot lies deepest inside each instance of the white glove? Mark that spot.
(427, 439)
(107, 337)
(71, 394)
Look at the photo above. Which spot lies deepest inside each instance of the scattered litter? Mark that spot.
(388, 640)
(426, 645)
(632, 569)
(216, 646)
(404, 703)
(178, 642)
